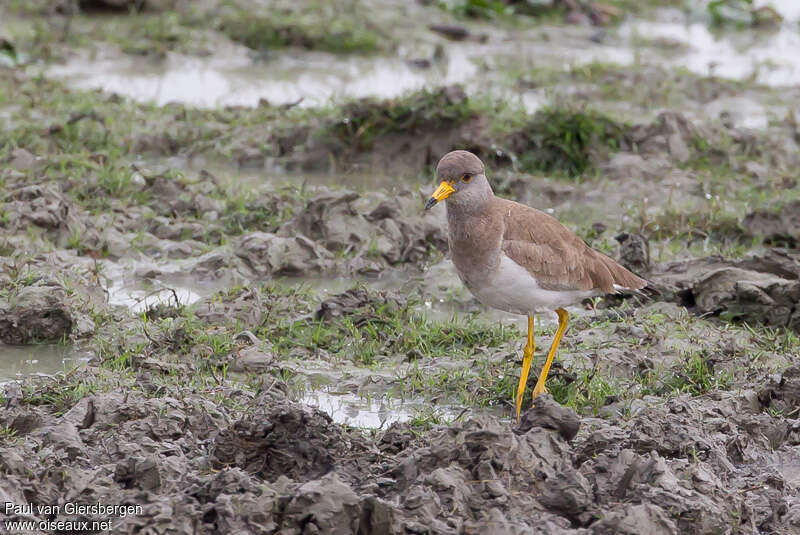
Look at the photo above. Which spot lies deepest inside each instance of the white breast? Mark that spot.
(514, 290)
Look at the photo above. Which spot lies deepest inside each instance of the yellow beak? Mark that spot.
(444, 190)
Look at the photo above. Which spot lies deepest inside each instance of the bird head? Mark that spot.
(461, 175)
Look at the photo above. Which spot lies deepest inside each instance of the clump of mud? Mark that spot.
(370, 232)
(47, 301)
(684, 466)
(758, 289)
(778, 227)
(35, 314)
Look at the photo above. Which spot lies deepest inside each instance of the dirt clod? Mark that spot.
(281, 440)
(265, 253)
(37, 313)
(758, 289)
(671, 133)
(634, 252)
(548, 414)
(779, 227)
(782, 393)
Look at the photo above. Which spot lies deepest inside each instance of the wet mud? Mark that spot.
(235, 316)
(685, 466)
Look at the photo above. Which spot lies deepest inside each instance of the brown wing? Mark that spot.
(558, 258)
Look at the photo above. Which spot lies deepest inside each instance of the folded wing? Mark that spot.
(556, 257)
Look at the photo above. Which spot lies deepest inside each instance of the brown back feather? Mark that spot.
(555, 255)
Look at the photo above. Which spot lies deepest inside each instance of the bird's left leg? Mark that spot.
(527, 357)
(563, 318)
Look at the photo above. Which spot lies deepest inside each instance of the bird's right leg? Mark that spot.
(563, 319)
(527, 357)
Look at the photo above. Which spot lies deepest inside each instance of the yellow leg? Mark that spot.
(563, 318)
(527, 357)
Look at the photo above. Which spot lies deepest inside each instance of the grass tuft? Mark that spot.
(312, 28)
(564, 139)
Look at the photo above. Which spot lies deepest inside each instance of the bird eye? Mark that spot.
(466, 177)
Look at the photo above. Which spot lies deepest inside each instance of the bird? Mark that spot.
(518, 259)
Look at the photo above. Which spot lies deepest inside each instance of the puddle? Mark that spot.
(355, 411)
(17, 362)
(127, 289)
(233, 79)
(379, 413)
(769, 56)
(390, 279)
(140, 300)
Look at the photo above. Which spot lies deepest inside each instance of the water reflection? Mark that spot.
(17, 362)
(355, 411)
(294, 77)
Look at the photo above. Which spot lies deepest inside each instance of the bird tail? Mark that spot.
(622, 278)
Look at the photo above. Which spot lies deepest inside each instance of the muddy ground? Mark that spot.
(233, 314)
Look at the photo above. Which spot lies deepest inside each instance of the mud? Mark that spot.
(233, 461)
(778, 227)
(231, 310)
(713, 460)
(189, 408)
(755, 290)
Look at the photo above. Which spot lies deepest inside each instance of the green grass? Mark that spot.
(313, 28)
(342, 26)
(249, 210)
(149, 34)
(7, 433)
(478, 383)
(478, 9)
(585, 390)
(563, 139)
(60, 394)
(426, 419)
(448, 360)
(86, 140)
(360, 123)
(384, 328)
(695, 375)
(741, 14)
(90, 137)
(552, 12)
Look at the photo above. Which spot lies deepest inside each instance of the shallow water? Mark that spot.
(233, 79)
(310, 79)
(769, 55)
(370, 413)
(138, 294)
(17, 362)
(231, 76)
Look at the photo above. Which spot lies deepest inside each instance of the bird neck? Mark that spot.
(475, 232)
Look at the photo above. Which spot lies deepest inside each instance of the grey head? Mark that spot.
(463, 180)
